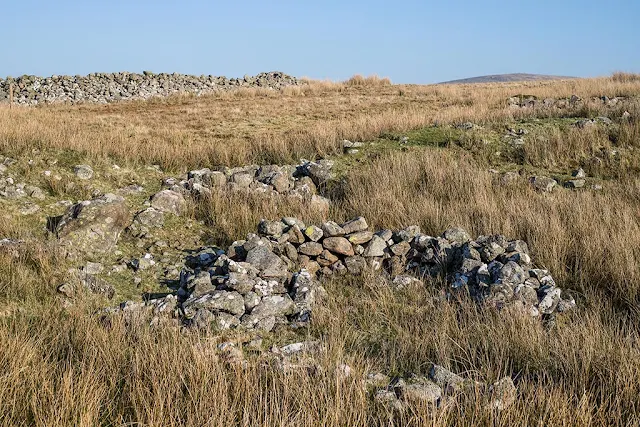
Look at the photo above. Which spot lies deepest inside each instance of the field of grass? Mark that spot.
(64, 366)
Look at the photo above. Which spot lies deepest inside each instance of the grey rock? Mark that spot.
(91, 228)
(230, 302)
(375, 248)
(266, 261)
(310, 249)
(274, 305)
(168, 201)
(313, 233)
(575, 183)
(502, 394)
(331, 229)
(83, 171)
(457, 235)
(542, 183)
(447, 380)
(355, 225)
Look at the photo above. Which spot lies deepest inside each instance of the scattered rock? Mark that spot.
(542, 183)
(83, 171)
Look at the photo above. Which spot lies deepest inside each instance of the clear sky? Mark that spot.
(410, 41)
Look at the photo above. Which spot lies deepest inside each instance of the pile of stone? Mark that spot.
(296, 181)
(438, 389)
(109, 87)
(250, 287)
(251, 284)
(492, 269)
(531, 101)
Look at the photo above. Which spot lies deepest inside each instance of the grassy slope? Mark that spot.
(67, 368)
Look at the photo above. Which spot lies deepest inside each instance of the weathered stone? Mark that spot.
(447, 380)
(502, 394)
(150, 217)
(355, 225)
(360, 237)
(513, 274)
(169, 201)
(579, 173)
(295, 235)
(310, 248)
(270, 228)
(456, 235)
(550, 300)
(319, 172)
(338, 245)
(401, 249)
(273, 305)
(230, 302)
(308, 264)
(266, 261)
(83, 171)
(355, 264)
(375, 248)
(542, 183)
(91, 228)
(241, 179)
(421, 391)
(313, 233)
(575, 183)
(326, 258)
(331, 229)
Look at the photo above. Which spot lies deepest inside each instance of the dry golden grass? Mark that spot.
(262, 126)
(66, 367)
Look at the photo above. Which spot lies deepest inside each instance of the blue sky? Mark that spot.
(410, 41)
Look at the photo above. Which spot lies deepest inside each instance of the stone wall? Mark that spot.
(109, 87)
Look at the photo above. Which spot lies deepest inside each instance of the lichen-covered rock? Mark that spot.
(542, 183)
(91, 228)
(502, 394)
(169, 201)
(229, 302)
(83, 171)
(338, 245)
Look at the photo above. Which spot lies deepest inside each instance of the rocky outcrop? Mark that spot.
(91, 228)
(109, 87)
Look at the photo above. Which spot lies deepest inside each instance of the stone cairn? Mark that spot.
(109, 87)
(251, 285)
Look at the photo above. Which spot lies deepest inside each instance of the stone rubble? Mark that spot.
(437, 389)
(530, 101)
(296, 181)
(110, 87)
(274, 277)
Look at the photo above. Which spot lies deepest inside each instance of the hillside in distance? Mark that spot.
(505, 78)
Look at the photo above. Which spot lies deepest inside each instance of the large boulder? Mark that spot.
(91, 228)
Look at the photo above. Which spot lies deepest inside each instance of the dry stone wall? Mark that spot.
(109, 87)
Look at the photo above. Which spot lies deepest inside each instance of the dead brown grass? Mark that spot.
(66, 367)
(262, 126)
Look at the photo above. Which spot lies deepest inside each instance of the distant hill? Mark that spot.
(505, 78)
